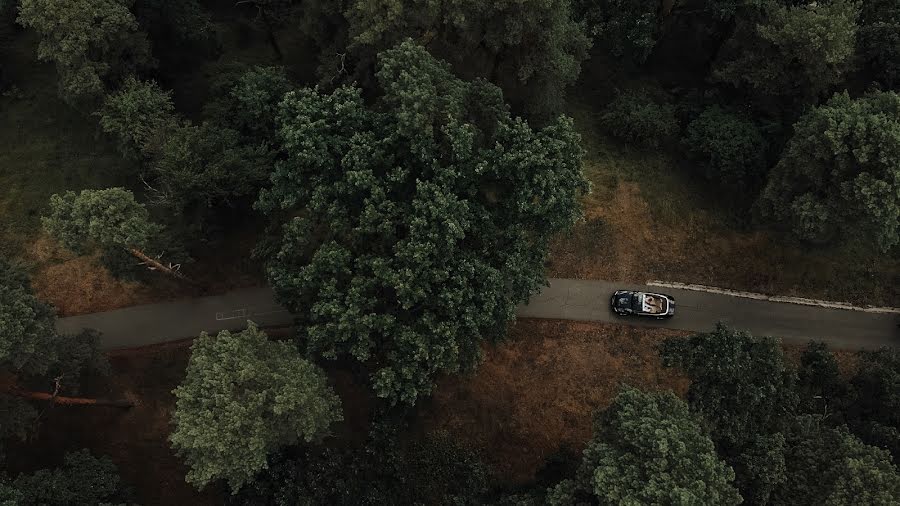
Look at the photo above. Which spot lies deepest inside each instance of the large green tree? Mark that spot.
(243, 397)
(839, 176)
(648, 448)
(94, 43)
(628, 28)
(418, 224)
(743, 387)
(797, 52)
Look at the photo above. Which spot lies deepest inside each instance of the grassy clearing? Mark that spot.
(47, 148)
(651, 217)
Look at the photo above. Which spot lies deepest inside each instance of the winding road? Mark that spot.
(568, 299)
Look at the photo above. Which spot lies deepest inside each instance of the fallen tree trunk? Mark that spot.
(156, 265)
(70, 401)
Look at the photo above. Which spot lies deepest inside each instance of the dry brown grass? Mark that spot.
(624, 238)
(537, 392)
(80, 284)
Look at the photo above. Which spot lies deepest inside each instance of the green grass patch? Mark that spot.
(47, 147)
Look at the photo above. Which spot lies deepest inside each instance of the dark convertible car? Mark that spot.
(654, 305)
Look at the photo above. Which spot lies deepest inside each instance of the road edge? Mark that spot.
(774, 298)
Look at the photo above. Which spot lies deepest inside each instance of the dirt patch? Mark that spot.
(537, 392)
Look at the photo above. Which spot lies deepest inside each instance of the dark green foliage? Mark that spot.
(82, 479)
(244, 397)
(531, 48)
(174, 21)
(636, 117)
(820, 386)
(840, 174)
(27, 325)
(202, 167)
(879, 39)
(629, 28)
(649, 449)
(31, 350)
(798, 52)
(109, 218)
(386, 470)
(95, 44)
(140, 115)
(248, 101)
(730, 147)
(875, 413)
(830, 466)
(739, 383)
(424, 220)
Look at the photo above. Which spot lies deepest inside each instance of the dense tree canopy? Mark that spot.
(640, 118)
(533, 48)
(840, 174)
(629, 28)
(200, 167)
(830, 466)
(94, 43)
(243, 397)
(649, 449)
(423, 221)
(740, 383)
(875, 410)
(389, 468)
(796, 51)
(879, 39)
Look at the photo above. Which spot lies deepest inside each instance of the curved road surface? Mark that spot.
(567, 299)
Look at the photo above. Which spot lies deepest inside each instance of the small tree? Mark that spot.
(139, 115)
(648, 448)
(636, 117)
(248, 101)
(244, 397)
(840, 174)
(731, 149)
(108, 218)
(82, 479)
(94, 43)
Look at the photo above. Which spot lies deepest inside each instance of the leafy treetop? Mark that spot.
(423, 220)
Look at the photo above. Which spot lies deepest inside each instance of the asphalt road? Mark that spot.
(567, 299)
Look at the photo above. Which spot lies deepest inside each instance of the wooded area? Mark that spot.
(408, 171)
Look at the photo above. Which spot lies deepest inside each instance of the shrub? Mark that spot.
(635, 117)
(731, 148)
